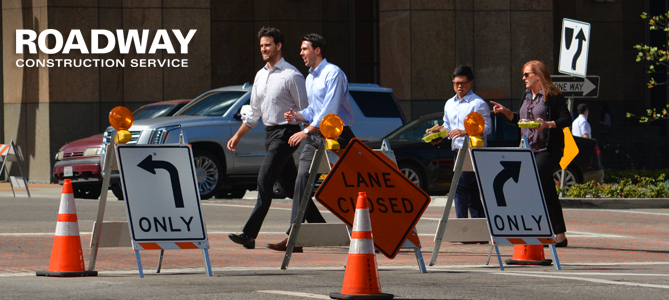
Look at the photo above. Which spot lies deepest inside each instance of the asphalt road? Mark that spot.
(612, 254)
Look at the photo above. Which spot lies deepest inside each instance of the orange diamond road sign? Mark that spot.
(395, 203)
(570, 149)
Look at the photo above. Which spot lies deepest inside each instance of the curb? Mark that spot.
(593, 203)
(615, 203)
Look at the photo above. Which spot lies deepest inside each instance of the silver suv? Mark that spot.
(212, 118)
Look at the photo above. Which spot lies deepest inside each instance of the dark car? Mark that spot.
(431, 166)
(80, 160)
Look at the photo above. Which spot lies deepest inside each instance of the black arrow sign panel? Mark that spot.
(581, 39)
(511, 171)
(151, 165)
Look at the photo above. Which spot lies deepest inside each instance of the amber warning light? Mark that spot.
(121, 119)
(331, 128)
(474, 125)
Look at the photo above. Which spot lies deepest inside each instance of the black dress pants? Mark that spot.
(278, 161)
(312, 215)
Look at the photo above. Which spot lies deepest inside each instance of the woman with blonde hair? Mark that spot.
(544, 103)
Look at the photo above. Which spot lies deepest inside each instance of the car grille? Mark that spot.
(72, 155)
(109, 133)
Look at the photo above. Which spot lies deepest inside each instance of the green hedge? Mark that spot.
(634, 187)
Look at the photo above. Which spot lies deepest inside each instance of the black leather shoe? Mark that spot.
(283, 246)
(243, 239)
(562, 244)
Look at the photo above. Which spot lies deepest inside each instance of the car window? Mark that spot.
(212, 105)
(154, 111)
(414, 130)
(502, 129)
(376, 105)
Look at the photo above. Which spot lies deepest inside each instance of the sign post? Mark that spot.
(162, 199)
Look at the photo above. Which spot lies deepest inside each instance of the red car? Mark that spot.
(80, 160)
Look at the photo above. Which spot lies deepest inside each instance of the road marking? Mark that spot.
(635, 212)
(296, 294)
(243, 206)
(574, 234)
(603, 281)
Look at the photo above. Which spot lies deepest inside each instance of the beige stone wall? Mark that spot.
(423, 41)
(44, 108)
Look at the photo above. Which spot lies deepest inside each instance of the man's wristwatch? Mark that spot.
(306, 131)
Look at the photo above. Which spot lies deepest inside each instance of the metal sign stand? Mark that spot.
(523, 144)
(110, 158)
(441, 228)
(315, 170)
(13, 153)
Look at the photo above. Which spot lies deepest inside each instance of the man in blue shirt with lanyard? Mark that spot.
(455, 111)
(327, 90)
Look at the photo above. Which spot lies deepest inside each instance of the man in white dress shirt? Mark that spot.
(455, 111)
(277, 88)
(580, 126)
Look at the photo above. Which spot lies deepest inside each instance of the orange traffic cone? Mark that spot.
(67, 258)
(361, 279)
(529, 255)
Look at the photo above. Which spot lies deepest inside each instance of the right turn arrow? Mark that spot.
(511, 170)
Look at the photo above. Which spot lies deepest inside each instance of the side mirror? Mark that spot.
(246, 109)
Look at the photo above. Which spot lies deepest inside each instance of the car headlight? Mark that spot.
(92, 151)
(159, 135)
(59, 155)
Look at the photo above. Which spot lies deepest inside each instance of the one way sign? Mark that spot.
(574, 46)
(577, 87)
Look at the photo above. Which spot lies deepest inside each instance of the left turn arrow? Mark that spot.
(151, 165)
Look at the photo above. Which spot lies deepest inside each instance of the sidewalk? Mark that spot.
(54, 191)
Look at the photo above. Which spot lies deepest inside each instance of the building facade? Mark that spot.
(411, 46)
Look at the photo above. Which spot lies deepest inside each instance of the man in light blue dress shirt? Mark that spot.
(455, 111)
(327, 90)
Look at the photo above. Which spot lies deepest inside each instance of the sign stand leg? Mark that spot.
(19, 158)
(489, 254)
(160, 260)
(295, 230)
(110, 156)
(449, 203)
(499, 258)
(139, 264)
(207, 263)
(555, 256)
(4, 161)
(419, 259)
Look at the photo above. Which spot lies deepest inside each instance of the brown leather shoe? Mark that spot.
(283, 245)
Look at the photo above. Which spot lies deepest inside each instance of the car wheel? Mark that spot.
(414, 174)
(230, 194)
(86, 191)
(118, 191)
(570, 177)
(207, 172)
